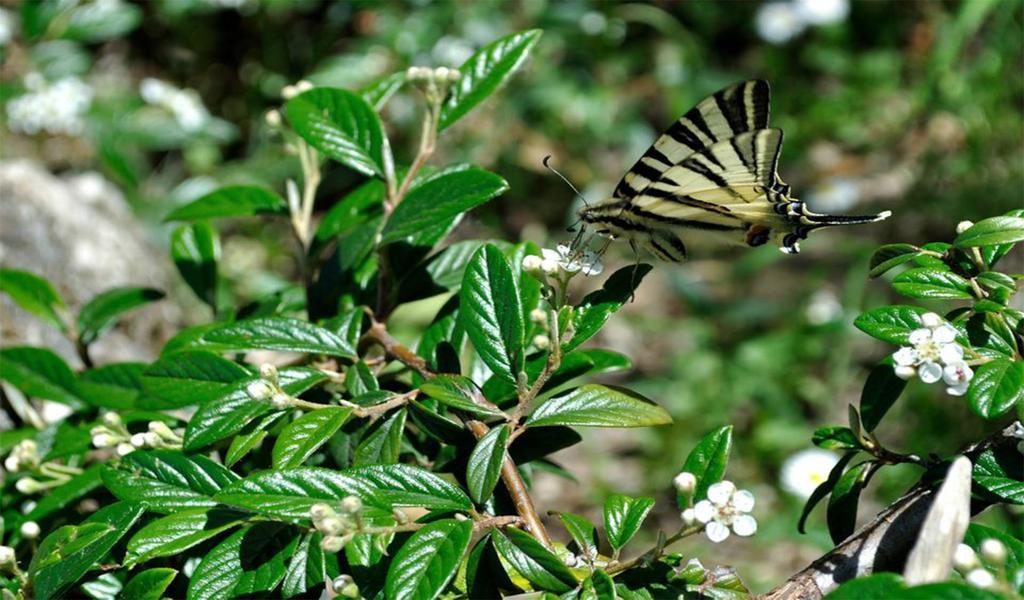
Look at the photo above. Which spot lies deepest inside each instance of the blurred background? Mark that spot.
(113, 112)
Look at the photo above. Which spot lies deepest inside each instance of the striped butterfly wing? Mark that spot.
(734, 110)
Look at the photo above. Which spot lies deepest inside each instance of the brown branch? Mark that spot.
(881, 545)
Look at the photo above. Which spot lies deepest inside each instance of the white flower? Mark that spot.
(565, 260)
(124, 449)
(55, 109)
(778, 22)
(933, 354)
(533, 264)
(689, 517)
(185, 105)
(351, 504)
(726, 508)
(822, 12)
(963, 226)
(30, 529)
(964, 558)
(803, 472)
(980, 578)
(6, 556)
(685, 482)
(823, 308)
(23, 457)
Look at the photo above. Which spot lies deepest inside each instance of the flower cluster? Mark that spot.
(113, 434)
(23, 457)
(337, 528)
(724, 509)
(934, 354)
(803, 472)
(268, 388)
(26, 458)
(563, 263)
(56, 108)
(290, 91)
(185, 105)
(440, 75)
(974, 571)
(779, 22)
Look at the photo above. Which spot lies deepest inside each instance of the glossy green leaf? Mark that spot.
(533, 561)
(344, 127)
(62, 496)
(891, 324)
(881, 390)
(39, 373)
(879, 585)
(446, 268)
(437, 200)
(428, 560)
(308, 568)
(1001, 472)
(890, 256)
(406, 485)
(992, 254)
(379, 92)
(484, 466)
(623, 516)
(149, 584)
(102, 312)
(925, 282)
(65, 555)
(115, 386)
(991, 231)
(890, 585)
(824, 489)
(836, 438)
(354, 210)
(273, 333)
(301, 438)
(458, 392)
(582, 532)
(195, 250)
(288, 494)
(247, 563)
(382, 444)
(250, 437)
(166, 481)
(177, 532)
(708, 459)
(594, 405)
(597, 307)
(34, 294)
(842, 504)
(491, 313)
(223, 416)
(976, 534)
(189, 377)
(230, 201)
(997, 387)
(485, 72)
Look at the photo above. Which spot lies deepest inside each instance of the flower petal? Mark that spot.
(716, 532)
(944, 333)
(744, 525)
(951, 353)
(743, 501)
(549, 254)
(920, 336)
(906, 372)
(905, 356)
(704, 511)
(958, 390)
(931, 320)
(929, 372)
(720, 493)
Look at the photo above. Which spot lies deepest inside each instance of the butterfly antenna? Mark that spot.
(546, 160)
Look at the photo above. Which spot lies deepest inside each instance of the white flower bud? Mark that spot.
(124, 449)
(98, 430)
(441, 74)
(304, 86)
(532, 264)
(320, 511)
(112, 419)
(964, 558)
(550, 267)
(331, 526)
(280, 400)
(993, 551)
(6, 556)
(103, 440)
(11, 464)
(289, 91)
(980, 578)
(541, 341)
(332, 543)
(259, 390)
(268, 372)
(689, 517)
(138, 440)
(30, 529)
(454, 75)
(963, 226)
(351, 504)
(152, 439)
(685, 483)
(538, 315)
(345, 586)
(27, 485)
(161, 429)
(273, 118)
(931, 320)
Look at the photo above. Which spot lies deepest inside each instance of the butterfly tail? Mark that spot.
(817, 220)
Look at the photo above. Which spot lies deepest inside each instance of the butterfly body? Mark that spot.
(713, 173)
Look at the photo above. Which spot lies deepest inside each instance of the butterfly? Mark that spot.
(713, 172)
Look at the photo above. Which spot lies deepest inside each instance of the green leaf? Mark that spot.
(836, 438)
(533, 561)
(708, 459)
(976, 534)
(428, 560)
(149, 584)
(485, 72)
(582, 532)
(195, 251)
(230, 201)
(446, 268)
(997, 387)
(594, 405)
(189, 377)
(246, 563)
(65, 555)
(250, 437)
(115, 385)
(1001, 472)
(273, 333)
(891, 324)
(881, 389)
(491, 313)
(439, 199)
(360, 380)
(377, 93)
(40, 374)
(166, 481)
(60, 497)
(288, 494)
(623, 516)
(890, 256)
(102, 311)
(34, 294)
(457, 392)
(824, 489)
(992, 254)
(842, 504)
(177, 532)
(484, 467)
(224, 416)
(301, 438)
(383, 442)
(354, 210)
(594, 311)
(406, 485)
(991, 231)
(925, 282)
(344, 127)
(879, 585)
(309, 567)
